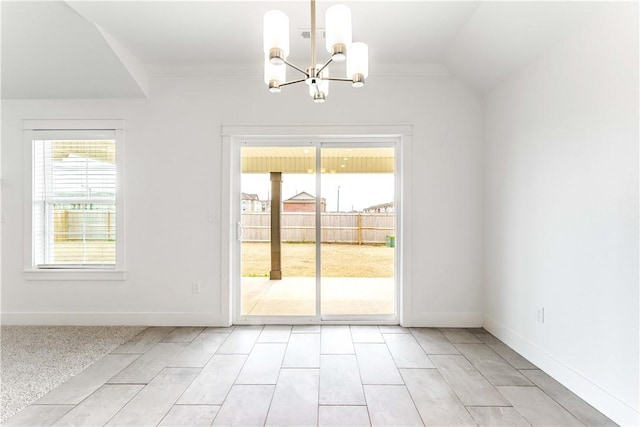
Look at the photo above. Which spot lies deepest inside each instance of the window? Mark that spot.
(75, 200)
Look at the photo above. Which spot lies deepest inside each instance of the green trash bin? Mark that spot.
(391, 241)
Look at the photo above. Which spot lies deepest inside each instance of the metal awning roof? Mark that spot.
(302, 160)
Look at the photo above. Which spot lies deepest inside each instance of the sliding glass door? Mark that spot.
(316, 232)
(357, 254)
(278, 223)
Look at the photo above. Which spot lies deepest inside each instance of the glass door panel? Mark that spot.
(358, 231)
(278, 238)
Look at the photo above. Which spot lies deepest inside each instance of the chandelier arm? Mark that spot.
(339, 79)
(294, 67)
(325, 65)
(292, 82)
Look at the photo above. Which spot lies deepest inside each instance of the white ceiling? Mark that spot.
(48, 51)
(105, 49)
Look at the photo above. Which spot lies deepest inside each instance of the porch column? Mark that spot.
(276, 243)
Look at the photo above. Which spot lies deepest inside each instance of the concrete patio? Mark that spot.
(297, 296)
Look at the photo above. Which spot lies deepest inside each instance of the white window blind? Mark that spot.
(74, 199)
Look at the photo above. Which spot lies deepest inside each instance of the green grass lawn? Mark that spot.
(338, 260)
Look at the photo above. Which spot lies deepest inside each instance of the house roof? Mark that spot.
(303, 197)
(380, 206)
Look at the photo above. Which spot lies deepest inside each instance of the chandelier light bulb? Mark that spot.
(276, 36)
(338, 31)
(274, 75)
(358, 64)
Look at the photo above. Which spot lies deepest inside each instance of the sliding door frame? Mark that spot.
(327, 136)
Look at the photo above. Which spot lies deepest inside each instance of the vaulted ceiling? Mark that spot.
(108, 49)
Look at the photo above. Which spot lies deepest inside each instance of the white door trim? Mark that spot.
(233, 135)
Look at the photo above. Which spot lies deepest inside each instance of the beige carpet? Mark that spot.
(36, 359)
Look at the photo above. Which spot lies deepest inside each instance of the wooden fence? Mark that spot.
(354, 228)
(84, 225)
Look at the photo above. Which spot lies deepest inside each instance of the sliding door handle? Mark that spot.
(239, 231)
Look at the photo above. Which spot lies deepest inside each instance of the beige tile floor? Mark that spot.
(297, 296)
(311, 375)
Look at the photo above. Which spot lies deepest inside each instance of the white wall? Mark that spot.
(173, 162)
(561, 212)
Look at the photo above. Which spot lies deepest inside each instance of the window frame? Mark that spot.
(31, 271)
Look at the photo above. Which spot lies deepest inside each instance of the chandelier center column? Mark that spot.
(313, 34)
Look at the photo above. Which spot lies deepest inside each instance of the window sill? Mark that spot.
(75, 275)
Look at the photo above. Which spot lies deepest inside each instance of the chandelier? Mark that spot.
(316, 76)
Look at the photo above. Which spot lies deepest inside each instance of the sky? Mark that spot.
(357, 191)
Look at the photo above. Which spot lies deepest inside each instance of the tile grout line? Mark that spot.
(403, 381)
(355, 355)
(239, 371)
(123, 406)
(141, 388)
(475, 369)
(496, 353)
(491, 383)
(556, 401)
(509, 363)
(495, 387)
(449, 385)
(319, 375)
(266, 417)
(107, 382)
(361, 384)
(194, 378)
(404, 384)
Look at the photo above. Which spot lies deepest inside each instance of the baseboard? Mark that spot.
(613, 407)
(112, 319)
(446, 319)
(442, 320)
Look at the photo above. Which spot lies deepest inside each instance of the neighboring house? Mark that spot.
(381, 208)
(303, 202)
(67, 184)
(265, 205)
(251, 203)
